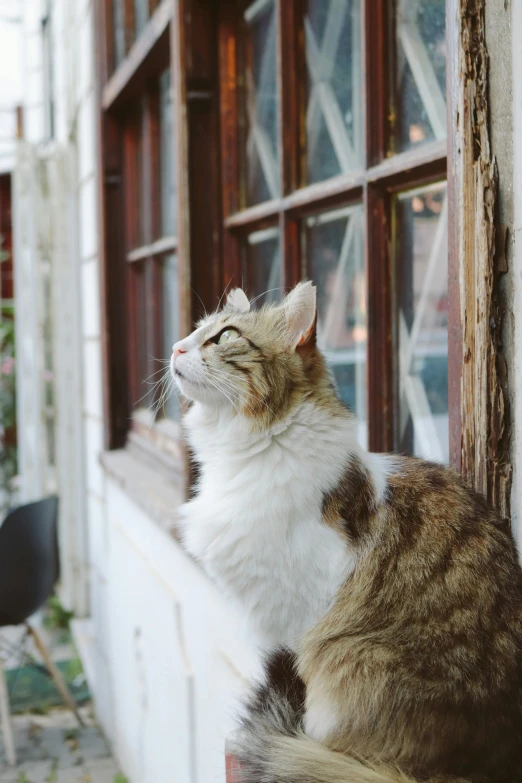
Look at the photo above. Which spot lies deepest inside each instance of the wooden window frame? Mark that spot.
(373, 186)
(203, 59)
(180, 34)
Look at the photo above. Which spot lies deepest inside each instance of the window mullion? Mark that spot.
(291, 128)
(377, 82)
(380, 403)
(129, 23)
(229, 137)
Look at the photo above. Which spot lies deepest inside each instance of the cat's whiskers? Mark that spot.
(227, 378)
(220, 389)
(205, 314)
(165, 385)
(234, 388)
(223, 294)
(250, 406)
(264, 293)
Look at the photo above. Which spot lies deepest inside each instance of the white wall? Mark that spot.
(178, 654)
(10, 78)
(163, 652)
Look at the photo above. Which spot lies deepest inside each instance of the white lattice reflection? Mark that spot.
(334, 112)
(170, 292)
(336, 265)
(119, 31)
(261, 105)
(141, 15)
(167, 157)
(421, 71)
(422, 290)
(262, 266)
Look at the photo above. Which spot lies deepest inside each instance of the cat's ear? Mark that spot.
(238, 300)
(300, 308)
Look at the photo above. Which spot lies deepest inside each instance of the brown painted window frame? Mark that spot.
(203, 38)
(180, 34)
(373, 186)
(128, 96)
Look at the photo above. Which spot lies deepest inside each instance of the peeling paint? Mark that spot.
(482, 260)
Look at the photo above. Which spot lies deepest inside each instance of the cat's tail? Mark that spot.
(277, 758)
(271, 746)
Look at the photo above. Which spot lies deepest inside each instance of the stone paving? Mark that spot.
(53, 748)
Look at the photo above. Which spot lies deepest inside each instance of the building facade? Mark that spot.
(174, 148)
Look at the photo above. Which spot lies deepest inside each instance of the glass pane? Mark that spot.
(168, 157)
(141, 14)
(170, 327)
(261, 151)
(262, 270)
(144, 388)
(421, 71)
(135, 191)
(336, 264)
(422, 291)
(119, 31)
(334, 110)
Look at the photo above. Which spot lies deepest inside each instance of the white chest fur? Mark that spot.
(256, 522)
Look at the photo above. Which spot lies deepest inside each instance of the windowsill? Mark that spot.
(154, 483)
(160, 439)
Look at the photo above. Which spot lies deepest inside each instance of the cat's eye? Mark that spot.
(228, 336)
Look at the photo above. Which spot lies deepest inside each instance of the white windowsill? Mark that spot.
(156, 489)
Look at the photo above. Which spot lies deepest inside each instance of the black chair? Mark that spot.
(29, 570)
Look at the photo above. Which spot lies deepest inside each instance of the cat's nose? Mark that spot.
(177, 349)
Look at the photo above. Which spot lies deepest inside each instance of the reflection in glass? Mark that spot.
(119, 31)
(336, 264)
(138, 193)
(141, 15)
(263, 266)
(334, 111)
(422, 328)
(167, 157)
(171, 333)
(261, 106)
(144, 396)
(421, 71)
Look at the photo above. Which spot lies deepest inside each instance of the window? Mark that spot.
(308, 140)
(333, 117)
(138, 142)
(151, 243)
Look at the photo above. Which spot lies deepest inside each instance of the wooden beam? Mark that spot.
(405, 170)
(111, 254)
(255, 217)
(473, 188)
(413, 167)
(375, 29)
(229, 15)
(142, 59)
(381, 404)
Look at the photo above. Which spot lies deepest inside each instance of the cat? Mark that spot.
(388, 594)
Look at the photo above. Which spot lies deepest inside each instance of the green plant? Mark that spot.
(8, 449)
(53, 772)
(56, 616)
(119, 778)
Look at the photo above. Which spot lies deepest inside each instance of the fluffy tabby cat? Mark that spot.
(390, 592)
